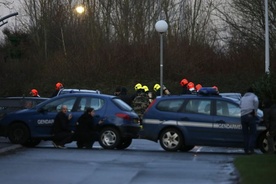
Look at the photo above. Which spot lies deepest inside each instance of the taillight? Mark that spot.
(123, 116)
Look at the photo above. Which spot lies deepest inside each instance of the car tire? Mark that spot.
(124, 144)
(109, 138)
(18, 133)
(262, 143)
(186, 148)
(31, 143)
(171, 139)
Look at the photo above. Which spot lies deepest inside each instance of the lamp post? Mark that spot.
(266, 38)
(161, 26)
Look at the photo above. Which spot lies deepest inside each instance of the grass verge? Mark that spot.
(256, 169)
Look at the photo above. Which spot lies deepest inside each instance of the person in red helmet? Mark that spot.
(215, 87)
(34, 93)
(59, 86)
(184, 83)
(197, 87)
(191, 88)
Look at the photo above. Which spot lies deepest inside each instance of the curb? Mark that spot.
(10, 148)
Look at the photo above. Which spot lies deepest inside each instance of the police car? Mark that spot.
(206, 119)
(29, 126)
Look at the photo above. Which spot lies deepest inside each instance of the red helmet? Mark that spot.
(34, 92)
(198, 86)
(59, 86)
(190, 85)
(183, 82)
(215, 87)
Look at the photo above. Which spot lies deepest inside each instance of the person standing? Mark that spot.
(59, 86)
(86, 129)
(249, 105)
(124, 96)
(146, 89)
(184, 82)
(34, 93)
(61, 128)
(270, 122)
(137, 88)
(140, 103)
(157, 90)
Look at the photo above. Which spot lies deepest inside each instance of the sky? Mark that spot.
(4, 11)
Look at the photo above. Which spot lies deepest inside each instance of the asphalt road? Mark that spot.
(143, 162)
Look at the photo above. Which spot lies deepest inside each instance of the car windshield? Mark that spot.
(121, 104)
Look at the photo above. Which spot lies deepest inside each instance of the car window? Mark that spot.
(200, 106)
(172, 105)
(228, 109)
(93, 102)
(55, 105)
(121, 104)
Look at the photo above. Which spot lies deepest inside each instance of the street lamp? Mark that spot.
(161, 26)
(80, 9)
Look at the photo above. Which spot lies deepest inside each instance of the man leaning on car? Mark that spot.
(249, 105)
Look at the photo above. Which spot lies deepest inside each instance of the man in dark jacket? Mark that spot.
(270, 122)
(61, 129)
(124, 96)
(87, 129)
(59, 86)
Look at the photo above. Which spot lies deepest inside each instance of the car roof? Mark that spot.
(77, 95)
(195, 96)
(24, 97)
(65, 91)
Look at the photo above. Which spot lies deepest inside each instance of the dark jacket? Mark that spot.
(185, 90)
(270, 119)
(86, 128)
(61, 123)
(86, 124)
(55, 93)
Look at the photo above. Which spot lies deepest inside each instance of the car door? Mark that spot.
(196, 121)
(228, 123)
(43, 118)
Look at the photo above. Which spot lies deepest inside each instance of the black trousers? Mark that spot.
(62, 138)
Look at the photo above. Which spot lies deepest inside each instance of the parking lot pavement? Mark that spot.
(6, 145)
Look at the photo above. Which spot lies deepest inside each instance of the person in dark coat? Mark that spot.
(86, 129)
(124, 96)
(59, 86)
(61, 129)
(270, 122)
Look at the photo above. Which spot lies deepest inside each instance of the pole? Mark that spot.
(266, 39)
(161, 64)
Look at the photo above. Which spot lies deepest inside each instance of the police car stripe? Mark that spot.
(198, 124)
(180, 123)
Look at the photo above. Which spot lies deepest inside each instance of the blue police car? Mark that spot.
(28, 127)
(206, 119)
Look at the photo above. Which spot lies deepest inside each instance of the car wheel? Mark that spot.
(109, 138)
(31, 143)
(262, 143)
(171, 139)
(124, 144)
(186, 148)
(18, 133)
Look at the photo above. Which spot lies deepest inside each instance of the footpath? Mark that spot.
(6, 145)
